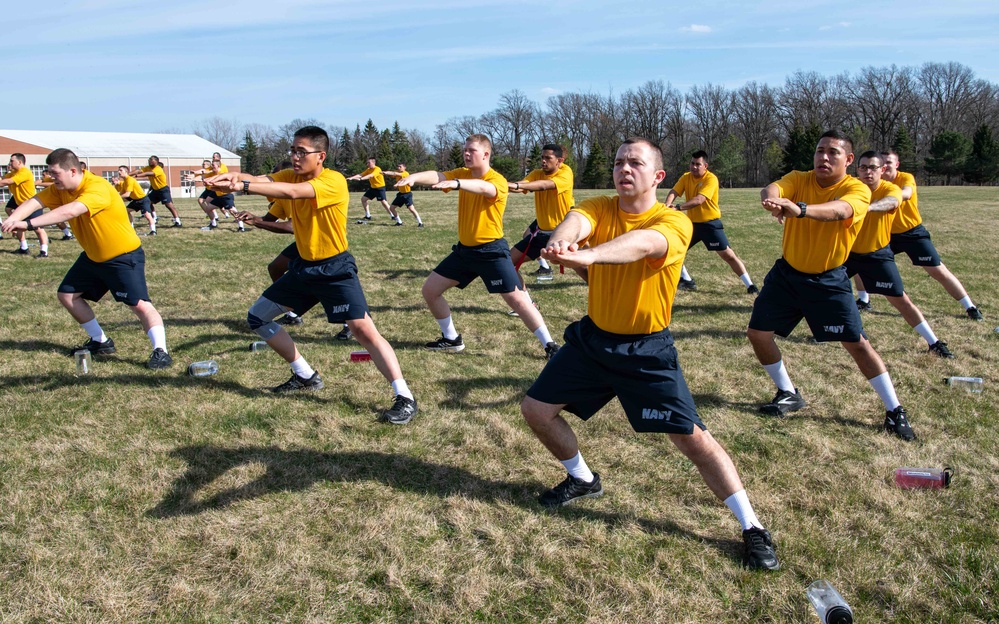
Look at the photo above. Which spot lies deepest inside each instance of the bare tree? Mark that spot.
(879, 98)
(710, 108)
(514, 123)
(947, 90)
(225, 133)
(809, 99)
(757, 124)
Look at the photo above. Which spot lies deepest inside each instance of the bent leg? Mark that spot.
(550, 428)
(433, 293)
(382, 353)
(712, 461)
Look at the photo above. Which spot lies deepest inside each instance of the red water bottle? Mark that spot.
(932, 478)
(360, 356)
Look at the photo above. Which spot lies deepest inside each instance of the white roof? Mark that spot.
(120, 144)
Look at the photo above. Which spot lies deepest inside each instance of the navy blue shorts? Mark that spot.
(916, 244)
(160, 196)
(403, 199)
(531, 246)
(225, 201)
(332, 282)
(11, 205)
(711, 233)
(140, 205)
(124, 276)
(375, 193)
(207, 194)
(878, 272)
(490, 261)
(291, 251)
(824, 300)
(642, 371)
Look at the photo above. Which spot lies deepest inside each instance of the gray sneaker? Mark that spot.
(297, 383)
(570, 490)
(401, 412)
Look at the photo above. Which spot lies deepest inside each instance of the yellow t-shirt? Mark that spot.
(129, 185)
(690, 187)
(480, 218)
(551, 206)
(22, 184)
(320, 223)
(908, 215)
(105, 231)
(812, 246)
(158, 180)
(406, 188)
(377, 180)
(222, 169)
(634, 298)
(280, 209)
(875, 232)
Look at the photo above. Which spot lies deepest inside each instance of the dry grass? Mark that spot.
(135, 495)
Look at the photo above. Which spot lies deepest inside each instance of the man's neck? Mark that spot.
(827, 182)
(637, 205)
(479, 171)
(313, 174)
(890, 178)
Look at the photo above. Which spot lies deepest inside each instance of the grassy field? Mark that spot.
(133, 495)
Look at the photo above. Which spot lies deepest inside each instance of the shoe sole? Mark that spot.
(388, 420)
(596, 494)
(452, 349)
(774, 410)
(318, 386)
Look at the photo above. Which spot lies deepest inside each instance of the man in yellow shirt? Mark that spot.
(376, 181)
(700, 189)
(21, 183)
(481, 250)
(159, 192)
(908, 236)
(325, 272)
(129, 189)
(403, 196)
(623, 347)
(822, 211)
(871, 258)
(112, 259)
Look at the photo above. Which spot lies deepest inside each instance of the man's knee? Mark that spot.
(260, 317)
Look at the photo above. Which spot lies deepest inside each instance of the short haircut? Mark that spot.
(125, 167)
(214, 154)
(889, 152)
(657, 152)
(869, 154)
(63, 158)
(19, 157)
(482, 140)
(839, 135)
(155, 159)
(372, 159)
(554, 148)
(700, 154)
(315, 135)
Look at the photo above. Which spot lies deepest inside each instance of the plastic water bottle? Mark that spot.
(259, 345)
(932, 478)
(971, 384)
(828, 604)
(205, 368)
(82, 361)
(360, 356)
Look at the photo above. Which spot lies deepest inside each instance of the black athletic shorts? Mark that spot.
(124, 276)
(917, 244)
(403, 199)
(878, 272)
(226, 201)
(711, 233)
(332, 282)
(140, 205)
(375, 193)
(490, 261)
(160, 196)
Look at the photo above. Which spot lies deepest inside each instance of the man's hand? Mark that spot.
(568, 255)
(404, 181)
(225, 182)
(781, 208)
(445, 184)
(11, 225)
(247, 217)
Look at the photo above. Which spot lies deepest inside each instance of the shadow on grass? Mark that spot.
(298, 470)
(458, 390)
(34, 345)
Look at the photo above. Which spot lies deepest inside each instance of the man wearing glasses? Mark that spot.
(316, 199)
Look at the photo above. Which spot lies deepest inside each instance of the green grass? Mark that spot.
(133, 495)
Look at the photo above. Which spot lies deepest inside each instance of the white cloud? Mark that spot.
(549, 91)
(696, 28)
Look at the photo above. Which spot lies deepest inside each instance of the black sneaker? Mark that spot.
(897, 422)
(367, 217)
(289, 320)
(974, 314)
(176, 224)
(401, 412)
(21, 252)
(690, 285)
(570, 490)
(752, 290)
(67, 237)
(543, 271)
(759, 553)
(398, 223)
(550, 350)
(361, 221)
(864, 306)
(95, 348)
(159, 359)
(419, 225)
(297, 383)
(43, 254)
(443, 344)
(151, 233)
(939, 348)
(783, 402)
(345, 334)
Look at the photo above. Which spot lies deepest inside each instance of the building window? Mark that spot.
(4, 193)
(184, 182)
(38, 171)
(110, 175)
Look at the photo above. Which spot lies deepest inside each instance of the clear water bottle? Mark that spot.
(83, 361)
(971, 384)
(259, 345)
(828, 604)
(205, 368)
(932, 478)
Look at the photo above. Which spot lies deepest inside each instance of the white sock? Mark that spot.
(683, 274)
(44, 247)
(215, 216)
(779, 375)
(93, 329)
(746, 280)
(886, 390)
(863, 296)
(543, 335)
(447, 328)
(66, 232)
(400, 388)
(739, 504)
(157, 336)
(577, 467)
(177, 220)
(240, 224)
(24, 244)
(291, 314)
(966, 302)
(544, 263)
(301, 368)
(152, 228)
(923, 329)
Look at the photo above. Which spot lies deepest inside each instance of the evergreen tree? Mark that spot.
(949, 153)
(534, 158)
(506, 166)
(596, 174)
(905, 147)
(401, 149)
(384, 154)
(456, 156)
(800, 149)
(983, 164)
(248, 151)
(730, 159)
(346, 150)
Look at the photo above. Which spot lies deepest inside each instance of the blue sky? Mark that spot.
(107, 65)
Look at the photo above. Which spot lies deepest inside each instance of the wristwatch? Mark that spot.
(804, 208)
(246, 187)
(27, 224)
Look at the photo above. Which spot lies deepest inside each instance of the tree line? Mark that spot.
(939, 117)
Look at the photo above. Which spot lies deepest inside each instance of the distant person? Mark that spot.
(700, 189)
(129, 189)
(481, 252)
(376, 181)
(636, 248)
(822, 211)
(45, 182)
(403, 196)
(160, 187)
(112, 259)
(21, 183)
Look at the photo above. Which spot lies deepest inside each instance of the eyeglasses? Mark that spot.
(868, 167)
(301, 153)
